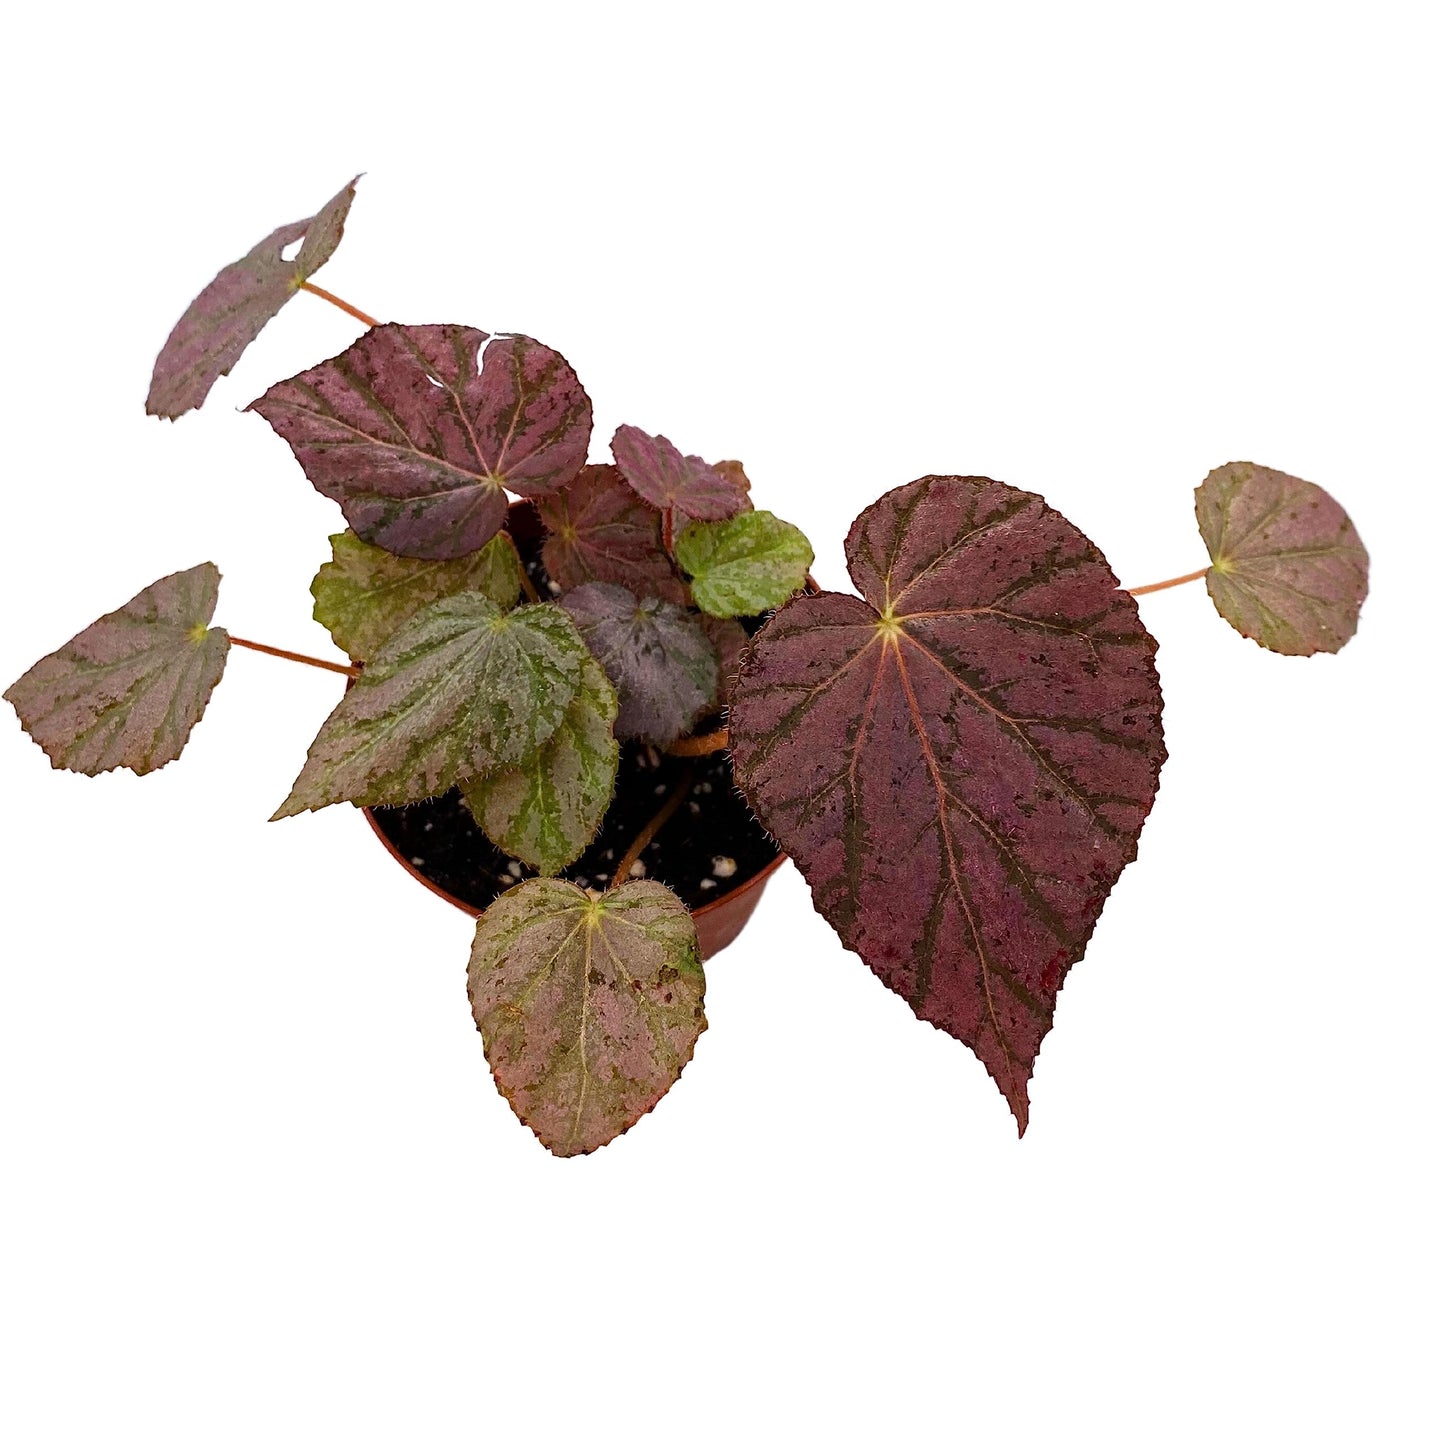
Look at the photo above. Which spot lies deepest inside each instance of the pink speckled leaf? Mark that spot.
(127, 691)
(417, 440)
(1288, 568)
(588, 1007)
(228, 315)
(684, 489)
(961, 764)
(600, 530)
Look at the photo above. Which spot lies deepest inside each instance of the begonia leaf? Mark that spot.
(365, 593)
(416, 439)
(589, 1007)
(1288, 568)
(729, 641)
(680, 486)
(126, 692)
(960, 764)
(744, 565)
(461, 688)
(600, 530)
(658, 658)
(547, 809)
(228, 315)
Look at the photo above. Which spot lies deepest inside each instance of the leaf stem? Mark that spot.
(1172, 582)
(700, 745)
(673, 803)
(346, 306)
(527, 586)
(341, 667)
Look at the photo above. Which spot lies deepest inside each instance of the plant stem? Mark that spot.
(673, 803)
(699, 746)
(341, 667)
(1172, 582)
(346, 306)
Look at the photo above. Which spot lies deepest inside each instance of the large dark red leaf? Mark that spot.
(416, 440)
(962, 763)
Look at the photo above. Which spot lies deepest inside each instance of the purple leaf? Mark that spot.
(658, 658)
(599, 530)
(961, 764)
(1288, 568)
(228, 315)
(729, 641)
(127, 691)
(686, 487)
(417, 442)
(589, 1007)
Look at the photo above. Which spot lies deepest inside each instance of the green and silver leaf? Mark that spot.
(589, 1006)
(365, 592)
(547, 810)
(746, 564)
(126, 692)
(460, 689)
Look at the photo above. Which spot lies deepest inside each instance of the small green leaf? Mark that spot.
(127, 691)
(460, 689)
(365, 593)
(547, 810)
(589, 1007)
(747, 564)
(1289, 569)
(228, 315)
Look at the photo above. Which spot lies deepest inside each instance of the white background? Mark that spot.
(257, 1183)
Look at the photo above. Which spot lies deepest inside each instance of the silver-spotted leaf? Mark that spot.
(600, 530)
(365, 593)
(228, 315)
(1288, 568)
(744, 565)
(680, 486)
(658, 658)
(126, 692)
(589, 1007)
(416, 438)
(961, 764)
(729, 641)
(461, 688)
(547, 809)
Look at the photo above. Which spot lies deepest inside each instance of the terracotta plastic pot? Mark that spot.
(718, 922)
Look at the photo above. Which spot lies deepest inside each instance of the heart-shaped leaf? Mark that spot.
(416, 441)
(600, 530)
(589, 1007)
(744, 565)
(960, 765)
(548, 808)
(127, 691)
(228, 315)
(658, 658)
(461, 688)
(365, 593)
(673, 483)
(1289, 569)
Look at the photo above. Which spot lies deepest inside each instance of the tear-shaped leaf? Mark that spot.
(729, 641)
(589, 1007)
(600, 530)
(961, 764)
(685, 486)
(461, 688)
(365, 593)
(1289, 569)
(658, 657)
(228, 315)
(127, 691)
(416, 441)
(547, 809)
(745, 564)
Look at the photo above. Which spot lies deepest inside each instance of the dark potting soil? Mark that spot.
(710, 845)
